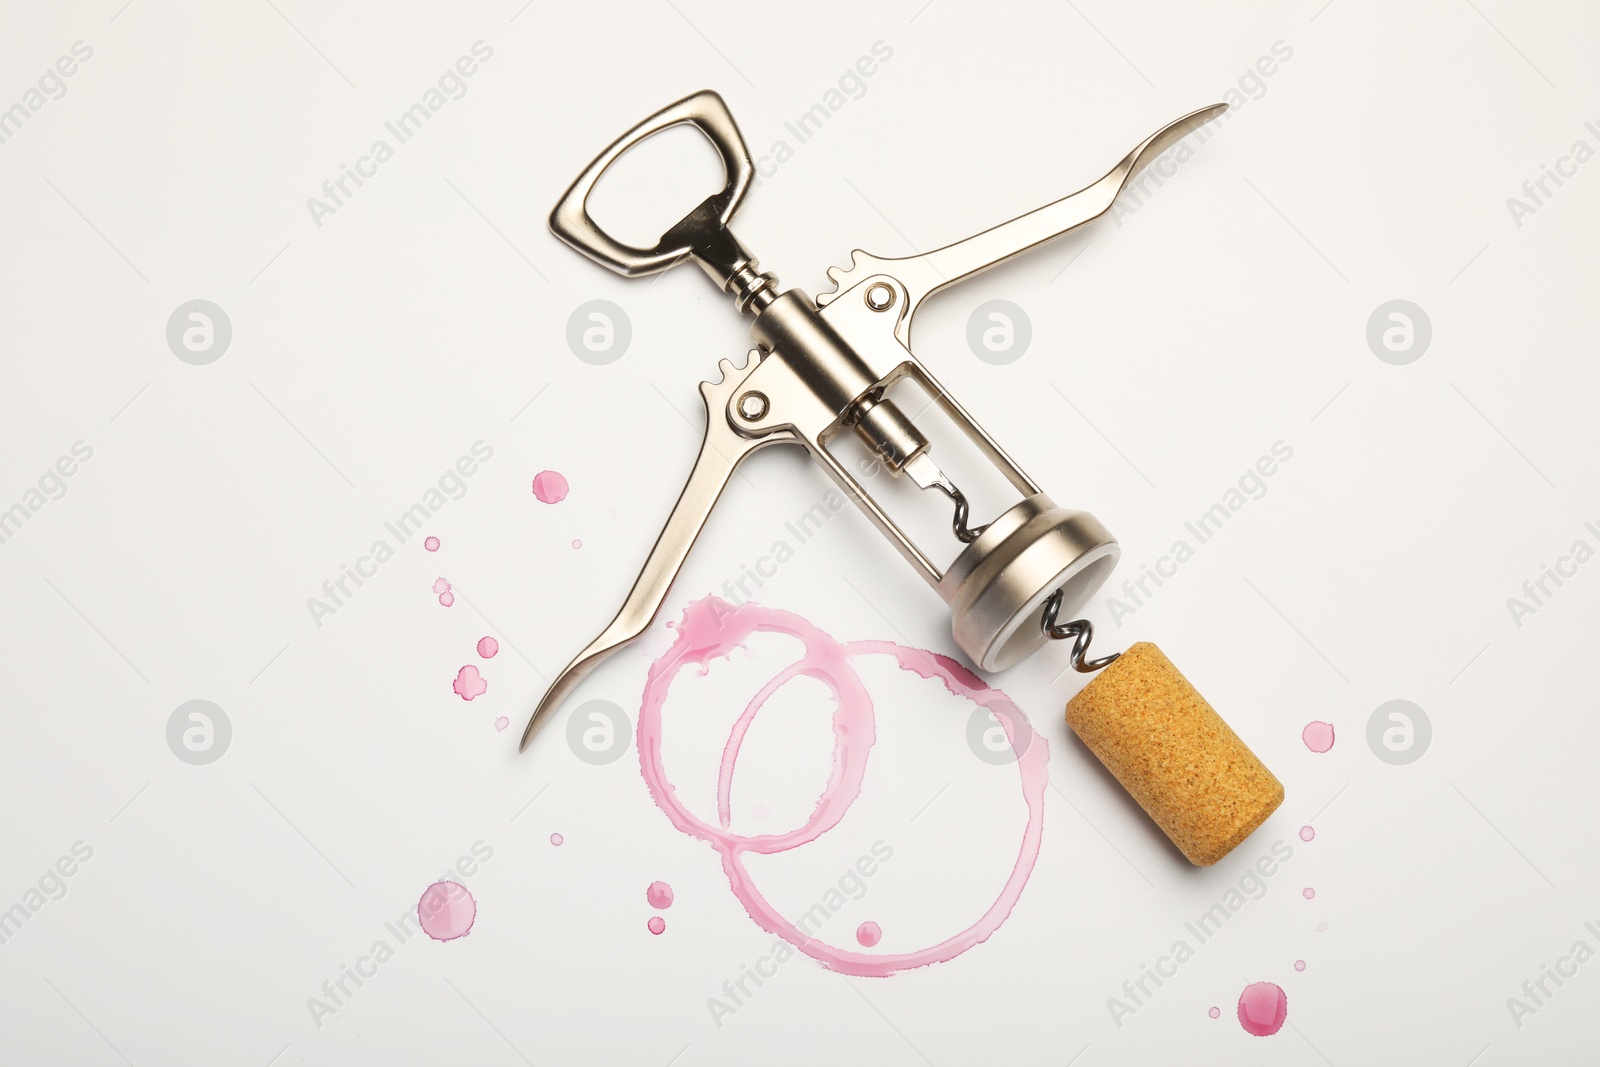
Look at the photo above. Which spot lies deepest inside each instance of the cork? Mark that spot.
(1173, 753)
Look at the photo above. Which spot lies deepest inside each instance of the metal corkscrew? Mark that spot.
(824, 367)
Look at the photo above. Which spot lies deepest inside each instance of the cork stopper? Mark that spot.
(1173, 753)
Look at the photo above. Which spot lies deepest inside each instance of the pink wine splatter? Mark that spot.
(659, 895)
(868, 934)
(556, 839)
(446, 911)
(1322, 928)
(712, 628)
(1307, 833)
(549, 487)
(487, 647)
(656, 924)
(576, 543)
(1262, 1009)
(1215, 1013)
(1308, 893)
(431, 544)
(442, 587)
(501, 723)
(1318, 736)
(1299, 965)
(469, 683)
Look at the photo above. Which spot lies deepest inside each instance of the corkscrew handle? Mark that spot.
(702, 227)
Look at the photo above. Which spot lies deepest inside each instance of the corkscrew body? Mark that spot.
(823, 367)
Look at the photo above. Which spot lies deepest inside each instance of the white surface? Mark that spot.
(1226, 314)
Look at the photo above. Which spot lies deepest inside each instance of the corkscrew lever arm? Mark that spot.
(925, 274)
(721, 451)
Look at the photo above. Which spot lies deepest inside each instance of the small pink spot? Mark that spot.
(431, 544)
(549, 487)
(1308, 892)
(1215, 1013)
(1263, 1008)
(1307, 833)
(869, 934)
(446, 911)
(576, 543)
(556, 839)
(469, 683)
(447, 599)
(656, 924)
(1299, 965)
(501, 723)
(441, 586)
(1318, 736)
(487, 647)
(659, 894)
(1322, 928)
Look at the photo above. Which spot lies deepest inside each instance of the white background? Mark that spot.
(1228, 313)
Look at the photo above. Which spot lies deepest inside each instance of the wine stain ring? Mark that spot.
(712, 628)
